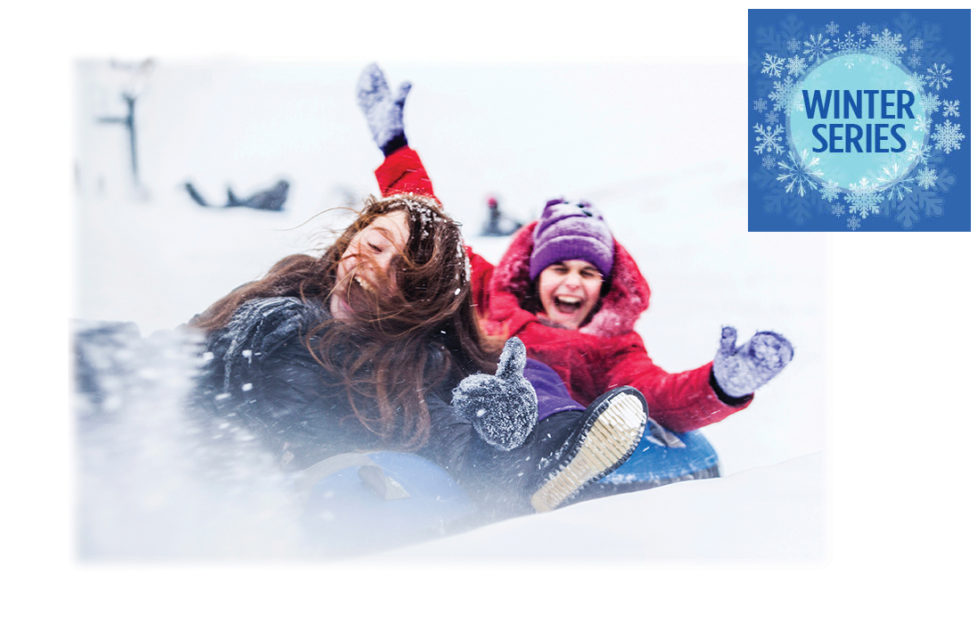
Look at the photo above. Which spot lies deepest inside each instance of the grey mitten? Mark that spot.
(740, 371)
(384, 111)
(501, 407)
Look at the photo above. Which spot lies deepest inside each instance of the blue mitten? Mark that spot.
(501, 407)
(384, 111)
(740, 371)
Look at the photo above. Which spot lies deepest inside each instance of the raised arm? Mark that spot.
(402, 171)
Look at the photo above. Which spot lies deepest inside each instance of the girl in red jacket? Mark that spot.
(572, 294)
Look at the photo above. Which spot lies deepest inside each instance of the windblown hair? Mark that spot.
(412, 331)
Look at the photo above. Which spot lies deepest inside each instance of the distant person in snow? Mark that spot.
(272, 199)
(572, 294)
(498, 224)
(375, 345)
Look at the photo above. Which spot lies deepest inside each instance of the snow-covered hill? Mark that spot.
(658, 166)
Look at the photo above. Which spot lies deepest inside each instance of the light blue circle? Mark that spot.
(850, 81)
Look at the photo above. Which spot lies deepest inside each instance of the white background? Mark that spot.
(901, 350)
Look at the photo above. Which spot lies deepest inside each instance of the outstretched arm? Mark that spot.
(402, 171)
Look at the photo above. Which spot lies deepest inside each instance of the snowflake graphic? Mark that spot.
(782, 94)
(849, 43)
(853, 223)
(915, 82)
(832, 28)
(947, 136)
(830, 191)
(918, 152)
(799, 173)
(921, 124)
(796, 65)
(863, 198)
(887, 45)
(916, 44)
(951, 109)
(768, 139)
(772, 65)
(939, 77)
(837, 210)
(772, 117)
(793, 45)
(863, 29)
(767, 162)
(926, 178)
(760, 105)
(930, 102)
(816, 48)
(890, 174)
(913, 61)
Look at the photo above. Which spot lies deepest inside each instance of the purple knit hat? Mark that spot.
(571, 232)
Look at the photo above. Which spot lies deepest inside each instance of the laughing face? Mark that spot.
(569, 292)
(370, 252)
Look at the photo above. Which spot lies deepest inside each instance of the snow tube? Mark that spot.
(654, 464)
(358, 502)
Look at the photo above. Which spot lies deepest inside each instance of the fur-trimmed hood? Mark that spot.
(629, 294)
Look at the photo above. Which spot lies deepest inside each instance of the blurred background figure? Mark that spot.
(272, 198)
(498, 224)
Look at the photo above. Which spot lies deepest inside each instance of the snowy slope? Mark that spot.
(658, 167)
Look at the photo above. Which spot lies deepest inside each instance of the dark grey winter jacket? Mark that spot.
(259, 375)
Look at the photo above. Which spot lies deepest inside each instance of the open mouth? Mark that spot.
(363, 283)
(568, 305)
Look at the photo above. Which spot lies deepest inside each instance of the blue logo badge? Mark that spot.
(859, 120)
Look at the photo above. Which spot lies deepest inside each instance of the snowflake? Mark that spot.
(918, 152)
(793, 45)
(915, 82)
(921, 124)
(848, 43)
(772, 117)
(951, 108)
(938, 77)
(887, 45)
(916, 44)
(863, 198)
(760, 105)
(927, 178)
(772, 65)
(837, 210)
(863, 29)
(893, 181)
(817, 48)
(913, 61)
(799, 172)
(768, 139)
(781, 96)
(767, 162)
(853, 223)
(830, 191)
(832, 28)
(947, 136)
(930, 102)
(796, 66)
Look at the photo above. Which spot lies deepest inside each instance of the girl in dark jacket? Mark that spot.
(572, 294)
(375, 345)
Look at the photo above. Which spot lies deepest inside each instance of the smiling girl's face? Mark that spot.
(569, 292)
(370, 251)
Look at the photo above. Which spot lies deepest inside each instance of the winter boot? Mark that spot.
(607, 435)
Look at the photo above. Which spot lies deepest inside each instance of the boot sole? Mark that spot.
(609, 441)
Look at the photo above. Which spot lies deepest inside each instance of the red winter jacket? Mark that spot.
(605, 353)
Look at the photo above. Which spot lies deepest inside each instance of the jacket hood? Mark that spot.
(629, 294)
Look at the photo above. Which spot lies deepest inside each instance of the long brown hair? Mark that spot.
(398, 346)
